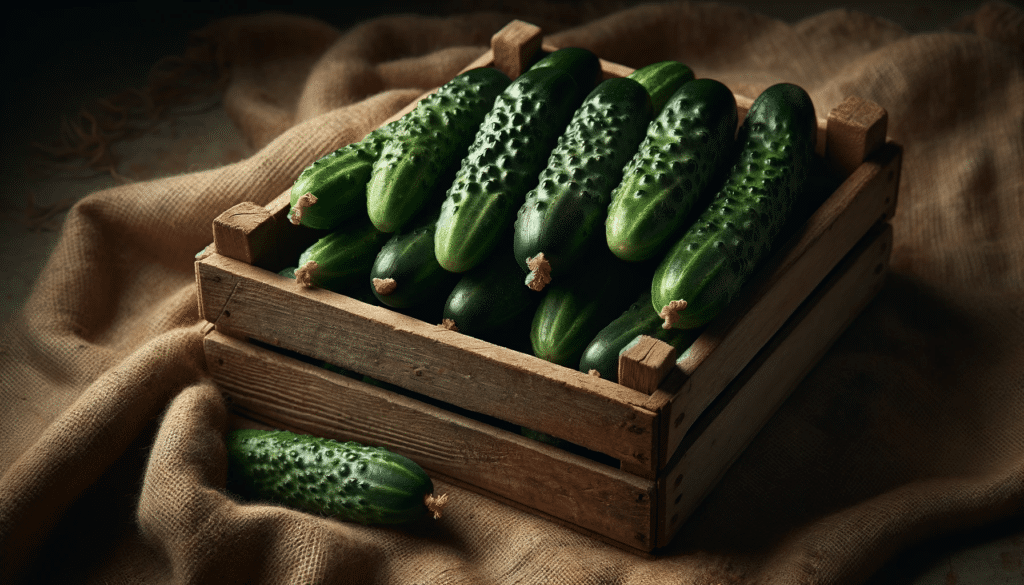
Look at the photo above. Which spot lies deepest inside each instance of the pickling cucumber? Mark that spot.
(341, 260)
(706, 268)
(333, 188)
(432, 138)
(406, 274)
(347, 481)
(509, 151)
(686, 151)
(602, 353)
(562, 216)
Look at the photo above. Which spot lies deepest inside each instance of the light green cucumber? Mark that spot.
(662, 80)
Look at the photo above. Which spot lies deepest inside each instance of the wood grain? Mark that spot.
(754, 396)
(283, 392)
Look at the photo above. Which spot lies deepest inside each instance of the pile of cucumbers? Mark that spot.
(561, 214)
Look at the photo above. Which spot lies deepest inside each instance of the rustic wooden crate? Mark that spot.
(642, 457)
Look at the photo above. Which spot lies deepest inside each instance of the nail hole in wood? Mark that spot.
(675, 519)
(890, 176)
(679, 497)
(679, 419)
(227, 313)
(679, 480)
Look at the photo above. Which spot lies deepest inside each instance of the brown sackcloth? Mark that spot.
(112, 465)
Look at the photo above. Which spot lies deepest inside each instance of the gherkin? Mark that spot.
(563, 216)
(708, 266)
(687, 147)
(348, 481)
(431, 139)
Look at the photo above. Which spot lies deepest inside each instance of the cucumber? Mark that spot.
(406, 273)
(433, 137)
(562, 216)
(602, 353)
(509, 151)
(341, 260)
(348, 481)
(489, 302)
(582, 64)
(685, 153)
(337, 182)
(662, 80)
(706, 268)
(574, 310)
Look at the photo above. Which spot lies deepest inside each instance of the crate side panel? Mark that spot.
(737, 335)
(286, 392)
(753, 397)
(245, 301)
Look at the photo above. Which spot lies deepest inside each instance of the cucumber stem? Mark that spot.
(304, 274)
(593, 372)
(300, 207)
(384, 286)
(540, 272)
(449, 324)
(435, 505)
(670, 313)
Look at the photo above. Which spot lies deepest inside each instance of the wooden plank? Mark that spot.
(286, 393)
(644, 365)
(600, 415)
(753, 397)
(514, 47)
(856, 128)
(732, 340)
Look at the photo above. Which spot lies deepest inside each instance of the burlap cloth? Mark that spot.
(112, 466)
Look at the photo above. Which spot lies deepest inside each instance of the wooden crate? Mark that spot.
(642, 457)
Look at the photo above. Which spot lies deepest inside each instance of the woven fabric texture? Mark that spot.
(112, 460)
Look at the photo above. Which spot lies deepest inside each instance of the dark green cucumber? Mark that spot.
(490, 302)
(288, 272)
(337, 181)
(683, 156)
(582, 64)
(509, 151)
(406, 273)
(712, 261)
(433, 138)
(348, 481)
(574, 310)
(662, 80)
(602, 353)
(341, 260)
(562, 216)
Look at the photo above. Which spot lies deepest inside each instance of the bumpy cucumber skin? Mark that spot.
(563, 215)
(338, 181)
(489, 302)
(716, 256)
(433, 137)
(686, 150)
(662, 80)
(345, 256)
(408, 258)
(348, 481)
(602, 353)
(509, 151)
(572, 311)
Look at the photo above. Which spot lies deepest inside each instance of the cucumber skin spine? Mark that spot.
(662, 80)
(338, 181)
(433, 137)
(563, 215)
(686, 151)
(349, 481)
(502, 165)
(602, 353)
(712, 261)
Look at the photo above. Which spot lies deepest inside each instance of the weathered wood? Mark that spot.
(753, 397)
(736, 335)
(286, 393)
(644, 365)
(514, 46)
(429, 359)
(244, 232)
(856, 128)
